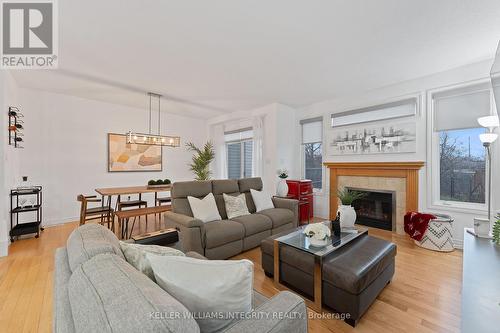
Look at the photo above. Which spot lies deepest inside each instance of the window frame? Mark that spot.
(242, 155)
(434, 166)
(321, 119)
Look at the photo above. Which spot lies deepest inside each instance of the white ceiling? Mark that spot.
(220, 56)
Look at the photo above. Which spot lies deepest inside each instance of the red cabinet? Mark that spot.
(302, 190)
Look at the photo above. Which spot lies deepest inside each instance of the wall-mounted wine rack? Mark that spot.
(15, 127)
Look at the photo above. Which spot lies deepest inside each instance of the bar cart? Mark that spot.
(24, 200)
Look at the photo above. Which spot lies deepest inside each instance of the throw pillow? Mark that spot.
(206, 287)
(135, 254)
(204, 209)
(235, 206)
(262, 200)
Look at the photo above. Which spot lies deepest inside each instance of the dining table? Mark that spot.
(107, 193)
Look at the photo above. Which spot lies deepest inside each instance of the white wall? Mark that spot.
(419, 86)
(9, 157)
(66, 148)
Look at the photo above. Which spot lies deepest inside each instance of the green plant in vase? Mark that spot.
(346, 210)
(201, 160)
(496, 230)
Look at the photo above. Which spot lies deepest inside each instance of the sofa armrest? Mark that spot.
(285, 312)
(184, 220)
(191, 231)
(291, 204)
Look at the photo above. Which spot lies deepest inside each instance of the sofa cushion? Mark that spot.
(262, 200)
(109, 295)
(254, 223)
(235, 205)
(197, 188)
(204, 209)
(279, 216)
(88, 241)
(246, 184)
(135, 254)
(360, 263)
(226, 294)
(218, 233)
(225, 186)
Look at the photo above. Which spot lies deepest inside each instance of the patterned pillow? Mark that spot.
(235, 206)
(135, 254)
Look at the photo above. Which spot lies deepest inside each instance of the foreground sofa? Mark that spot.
(226, 238)
(96, 290)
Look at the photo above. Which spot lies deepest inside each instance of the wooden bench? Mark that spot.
(124, 217)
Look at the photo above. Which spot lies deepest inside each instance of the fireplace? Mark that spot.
(377, 209)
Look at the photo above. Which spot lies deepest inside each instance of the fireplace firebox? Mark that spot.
(377, 209)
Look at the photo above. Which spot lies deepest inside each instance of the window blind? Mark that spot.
(312, 130)
(234, 160)
(238, 135)
(459, 108)
(403, 108)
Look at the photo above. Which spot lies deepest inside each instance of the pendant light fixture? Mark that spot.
(150, 138)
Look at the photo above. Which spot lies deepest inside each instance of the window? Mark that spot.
(462, 166)
(461, 180)
(312, 137)
(239, 148)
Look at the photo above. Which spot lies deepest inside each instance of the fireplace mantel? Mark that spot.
(407, 170)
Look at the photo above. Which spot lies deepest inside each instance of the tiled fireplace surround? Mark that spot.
(400, 177)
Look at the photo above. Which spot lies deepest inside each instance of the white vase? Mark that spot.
(282, 188)
(318, 242)
(347, 216)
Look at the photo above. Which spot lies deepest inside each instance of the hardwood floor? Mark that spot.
(424, 295)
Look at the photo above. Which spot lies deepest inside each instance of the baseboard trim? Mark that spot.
(54, 222)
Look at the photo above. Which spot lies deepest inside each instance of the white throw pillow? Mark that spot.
(207, 287)
(235, 206)
(262, 200)
(204, 209)
(135, 254)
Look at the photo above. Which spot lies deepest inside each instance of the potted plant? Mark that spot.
(158, 183)
(496, 230)
(347, 212)
(201, 160)
(317, 233)
(282, 186)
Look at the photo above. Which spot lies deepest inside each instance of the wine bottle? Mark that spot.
(336, 225)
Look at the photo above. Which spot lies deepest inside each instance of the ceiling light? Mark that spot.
(153, 139)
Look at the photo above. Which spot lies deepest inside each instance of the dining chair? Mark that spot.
(103, 213)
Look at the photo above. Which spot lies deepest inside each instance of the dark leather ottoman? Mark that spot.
(353, 276)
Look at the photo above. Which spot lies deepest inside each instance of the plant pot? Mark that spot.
(347, 216)
(318, 242)
(282, 188)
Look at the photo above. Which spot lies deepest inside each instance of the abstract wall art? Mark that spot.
(373, 139)
(123, 157)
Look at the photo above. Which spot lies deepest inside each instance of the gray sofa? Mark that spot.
(96, 290)
(226, 238)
